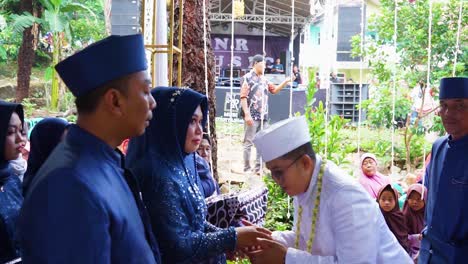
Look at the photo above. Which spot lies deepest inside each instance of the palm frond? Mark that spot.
(22, 22)
(47, 4)
(57, 21)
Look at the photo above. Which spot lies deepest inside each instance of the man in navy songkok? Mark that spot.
(446, 234)
(83, 206)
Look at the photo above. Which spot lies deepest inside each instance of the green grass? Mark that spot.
(9, 70)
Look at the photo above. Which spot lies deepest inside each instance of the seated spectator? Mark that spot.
(205, 148)
(387, 199)
(277, 68)
(370, 179)
(203, 159)
(297, 76)
(208, 185)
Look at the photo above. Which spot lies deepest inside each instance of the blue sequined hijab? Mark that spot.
(166, 133)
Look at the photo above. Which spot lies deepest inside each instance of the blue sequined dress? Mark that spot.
(171, 189)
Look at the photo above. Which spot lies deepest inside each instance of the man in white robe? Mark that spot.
(349, 225)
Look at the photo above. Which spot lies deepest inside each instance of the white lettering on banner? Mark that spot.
(223, 43)
(231, 102)
(241, 44)
(237, 61)
(220, 60)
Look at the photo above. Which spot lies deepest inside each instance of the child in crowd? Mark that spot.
(413, 210)
(388, 202)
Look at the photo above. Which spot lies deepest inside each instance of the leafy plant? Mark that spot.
(56, 18)
(277, 214)
(9, 42)
(437, 126)
(379, 108)
(28, 107)
(330, 143)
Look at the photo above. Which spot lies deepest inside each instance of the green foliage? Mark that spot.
(239, 261)
(9, 41)
(67, 102)
(28, 107)
(437, 126)
(330, 143)
(410, 57)
(72, 118)
(407, 61)
(84, 29)
(276, 217)
(379, 107)
(23, 21)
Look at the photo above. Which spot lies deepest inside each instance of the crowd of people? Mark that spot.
(90, 195)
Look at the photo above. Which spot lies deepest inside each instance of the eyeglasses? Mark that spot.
(279, 174)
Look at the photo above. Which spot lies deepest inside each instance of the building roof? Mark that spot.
(278, 14)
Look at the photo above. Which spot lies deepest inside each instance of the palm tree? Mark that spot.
(56, 17)
(193, 65)
(26, 54)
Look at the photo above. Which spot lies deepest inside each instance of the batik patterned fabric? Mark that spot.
(229, 209)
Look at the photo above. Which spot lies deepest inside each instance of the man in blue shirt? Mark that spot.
(445, 238)
(83, 206)
(277, 68)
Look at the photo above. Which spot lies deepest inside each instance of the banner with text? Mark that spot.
(245, 47)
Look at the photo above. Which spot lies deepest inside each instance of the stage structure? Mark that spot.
(154, 28)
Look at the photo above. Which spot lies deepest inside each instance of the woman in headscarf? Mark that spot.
(370, 179)
(11, 143)
(203, 158)
(396, 222)
(163, 160)
(45, 136)
(413, 210)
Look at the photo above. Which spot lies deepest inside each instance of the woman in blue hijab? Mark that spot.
(45, 136)
(11, 144)
(163, 160)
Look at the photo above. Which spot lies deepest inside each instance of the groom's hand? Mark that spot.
(247, 236)
(271, 252)
(247, 223)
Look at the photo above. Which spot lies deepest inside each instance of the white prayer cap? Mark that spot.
(282, 137)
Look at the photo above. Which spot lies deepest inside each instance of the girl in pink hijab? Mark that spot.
(370, 179)
(413, 210)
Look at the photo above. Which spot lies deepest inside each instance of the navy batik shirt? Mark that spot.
(80, 208)
(446, 234)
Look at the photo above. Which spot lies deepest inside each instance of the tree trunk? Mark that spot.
(193, 64)
(26, 53)
(107, 15)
